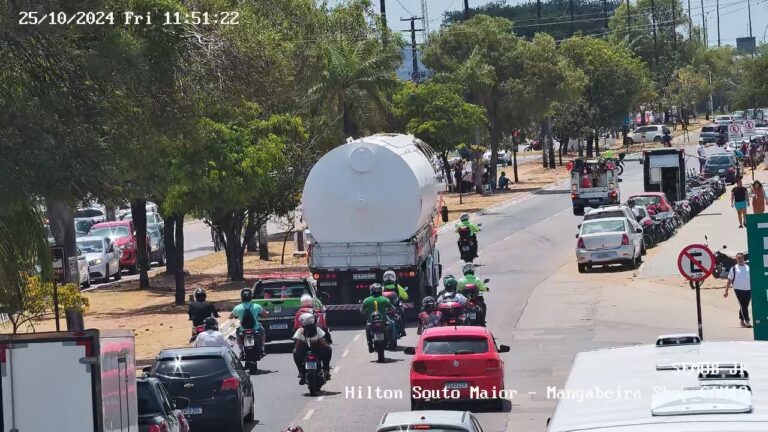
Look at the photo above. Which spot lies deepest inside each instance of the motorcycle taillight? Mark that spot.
(311, 357)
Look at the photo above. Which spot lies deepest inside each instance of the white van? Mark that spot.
(678, 384)
(649, 133)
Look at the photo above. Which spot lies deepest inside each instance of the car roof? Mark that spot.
(85, 238)
(111, 223)
(647, 194)
(190, 352)
(457, 331)
(604, 219)
(640, 372)
(607, 208)
(421, 417)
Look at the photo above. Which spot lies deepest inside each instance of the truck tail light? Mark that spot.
(419, 366)
(230, 383)
(574, 195)
(624, 239)
(613, 194)
(492, 365)
(316, 276)
(581, 245)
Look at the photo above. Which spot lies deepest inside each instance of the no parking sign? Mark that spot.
(696, 262)
(734, 131)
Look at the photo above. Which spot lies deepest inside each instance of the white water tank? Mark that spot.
(380, 188)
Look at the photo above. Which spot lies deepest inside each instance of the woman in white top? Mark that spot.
(738, 279)
(311, 336)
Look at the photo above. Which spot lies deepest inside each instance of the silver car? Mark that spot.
(103, 257)
(609, 241)
(458, 421)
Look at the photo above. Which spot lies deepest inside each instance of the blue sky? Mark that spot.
(733, 15)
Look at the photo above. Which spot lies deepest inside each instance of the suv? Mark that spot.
(281, 296)
(724, 165)
(124, 236)
(613, 211)
(652, 133)
(711, 133)
(156, 410)
(214, 381)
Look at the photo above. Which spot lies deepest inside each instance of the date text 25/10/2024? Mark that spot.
(128, 18)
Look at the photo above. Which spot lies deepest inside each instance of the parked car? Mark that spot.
(103, 257)
(651, 133)
(82, 269)
(454, 421)
(94, 213)
(461, 359)
(646, 199)
(157, 244)
(621, 210)
(157, 411)
(609, 241)
(124, 235)
(505, 157)
(83, 225)
(152, 218)
(711, 133)
(723, 165)
(724, 120)
(219, 389)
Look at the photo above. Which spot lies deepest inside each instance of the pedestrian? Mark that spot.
(739, 201)
(667, 138)
(457, 171)
(758, 197)
(738, 279)
(503, 181)
(702, 155)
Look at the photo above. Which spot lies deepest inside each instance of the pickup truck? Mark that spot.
(280, 295)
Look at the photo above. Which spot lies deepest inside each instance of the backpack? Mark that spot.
(248, 321)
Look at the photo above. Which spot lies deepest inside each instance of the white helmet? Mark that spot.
(307, 300)
(389, 276)
(307, 319)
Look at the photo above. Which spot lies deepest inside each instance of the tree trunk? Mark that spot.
(544, 143)
(550, 144)
(590, 137)
(250, 240)
(263, 242)
(495, 139)
(597, 143)
(563, 143)
(581, 147)
(232, 227)
(477, 169)
(350, 129)
(285, 240)
(111, 213)
(179, 258)
(61, 220)
(446, 167)
(170, 244)
(514, 161)
(139, 213)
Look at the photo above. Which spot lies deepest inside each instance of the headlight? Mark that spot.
(97, 261)
(155, 247)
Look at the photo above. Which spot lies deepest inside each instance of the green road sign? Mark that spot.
(757, 241)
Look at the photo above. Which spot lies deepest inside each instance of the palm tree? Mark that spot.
(357, 76)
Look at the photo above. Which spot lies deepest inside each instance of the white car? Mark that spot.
(650, 133)
(434, 420)
(614, 211)
(505, 157)
(153, 218)
(609, 241)
(102, 256)
(724, 120)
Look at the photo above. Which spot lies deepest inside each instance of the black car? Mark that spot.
(219, 389)
(157, 244)
(723, 165)
(156, 410)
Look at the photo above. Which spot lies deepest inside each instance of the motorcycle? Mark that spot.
(251, 350)
(396, 313)
(467, 244)
(724, 261)
(453, 313)
(196, 330)
(428, 320)
(313, 373)
(378, 333)
(475, 307)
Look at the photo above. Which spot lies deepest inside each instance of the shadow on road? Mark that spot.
(387, 360)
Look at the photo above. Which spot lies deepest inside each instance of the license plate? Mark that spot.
(472, 315)
(378, 336)
(721, 171)
(465, 248)
(192, 411)
(594, 201)
(604, 255)
(277, 309)
(278, 326)
(456, 385)
(249, 342)
(310, 365)
(359, 276)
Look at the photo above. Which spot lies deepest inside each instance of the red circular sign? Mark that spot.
(696, 262)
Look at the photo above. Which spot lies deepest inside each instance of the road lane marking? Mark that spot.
(308, 415)
(356, 338)
(320, 399)
(345, 353)
(336, 370)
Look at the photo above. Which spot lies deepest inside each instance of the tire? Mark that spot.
(254, 368)
(133, 269)
(105, 279)
(648, 241)
(619, 169)
(119, 274)
(87, 283)
(636, 262)
(657, 139)
(251, 416)
(380, 354)
(582, 268)
(643, 251)
(630, 141)
(416, 405)
(161, 261)
(578, 211)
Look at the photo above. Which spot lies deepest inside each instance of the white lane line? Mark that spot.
(356, 338)
(308, 415)
(345, 353)
(336, 370)
(320, 399)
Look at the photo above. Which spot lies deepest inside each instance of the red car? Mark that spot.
(124, 235)
(457, 363)
(652, 198)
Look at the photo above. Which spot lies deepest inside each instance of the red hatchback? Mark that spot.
(457, 363)
(652, 198)
(124, 235)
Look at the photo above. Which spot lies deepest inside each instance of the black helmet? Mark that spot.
(376, 289)
(468, 268)
(200, 294)
(246, 295)
(211, 323)
(428, 303)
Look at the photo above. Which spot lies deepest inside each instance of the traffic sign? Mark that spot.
(734, 131)
(696, 262)
(749, 126)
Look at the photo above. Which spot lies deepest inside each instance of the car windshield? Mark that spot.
(91, 246)
(455, 345)
(719, 160)
(153, 231)
(191, 367)
(647, 200)
(281, 290)
(112, 232)
(81, 213)
(82, 226)
(424, 426)
(720, 118)
(602, 226)
(708, 129)
(603, 215)
(147, 401)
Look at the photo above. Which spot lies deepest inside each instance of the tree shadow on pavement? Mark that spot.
(387, 360)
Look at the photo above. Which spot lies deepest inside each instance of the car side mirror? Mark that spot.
(409, 351)
(578, 226)
(577, 236)
(181, 403)
(725, 246)
(503, 348)
(486, 280)
(619, 180)
(146, 369)
(639, 230)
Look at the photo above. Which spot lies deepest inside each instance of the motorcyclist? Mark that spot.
(449, 292)
(473, 230)
(667, 139)
(312, 305)
(377, 303)
(255, 310)
(429, 316)
(211, 337)
(310, 336)
(200, 309)
(470, 279)
(390, 284)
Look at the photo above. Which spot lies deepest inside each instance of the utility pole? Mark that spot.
(749, 12)
(466, 9)
(717, 7)
(690, 21)
(703, 24)
(674, 26)
(425, 19)
(711, 102)
(538, 15)
(573, 29)
(415, 74)
(655, 43)
(383, 8)
(629, 12)
(605, 15)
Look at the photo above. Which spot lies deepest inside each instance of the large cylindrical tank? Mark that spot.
(380, 188)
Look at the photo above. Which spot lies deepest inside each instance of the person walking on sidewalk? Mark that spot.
(702, 156)
(739, 202)
(738, 279)
(758, 197)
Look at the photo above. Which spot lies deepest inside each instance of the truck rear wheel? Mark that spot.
(578, 211)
